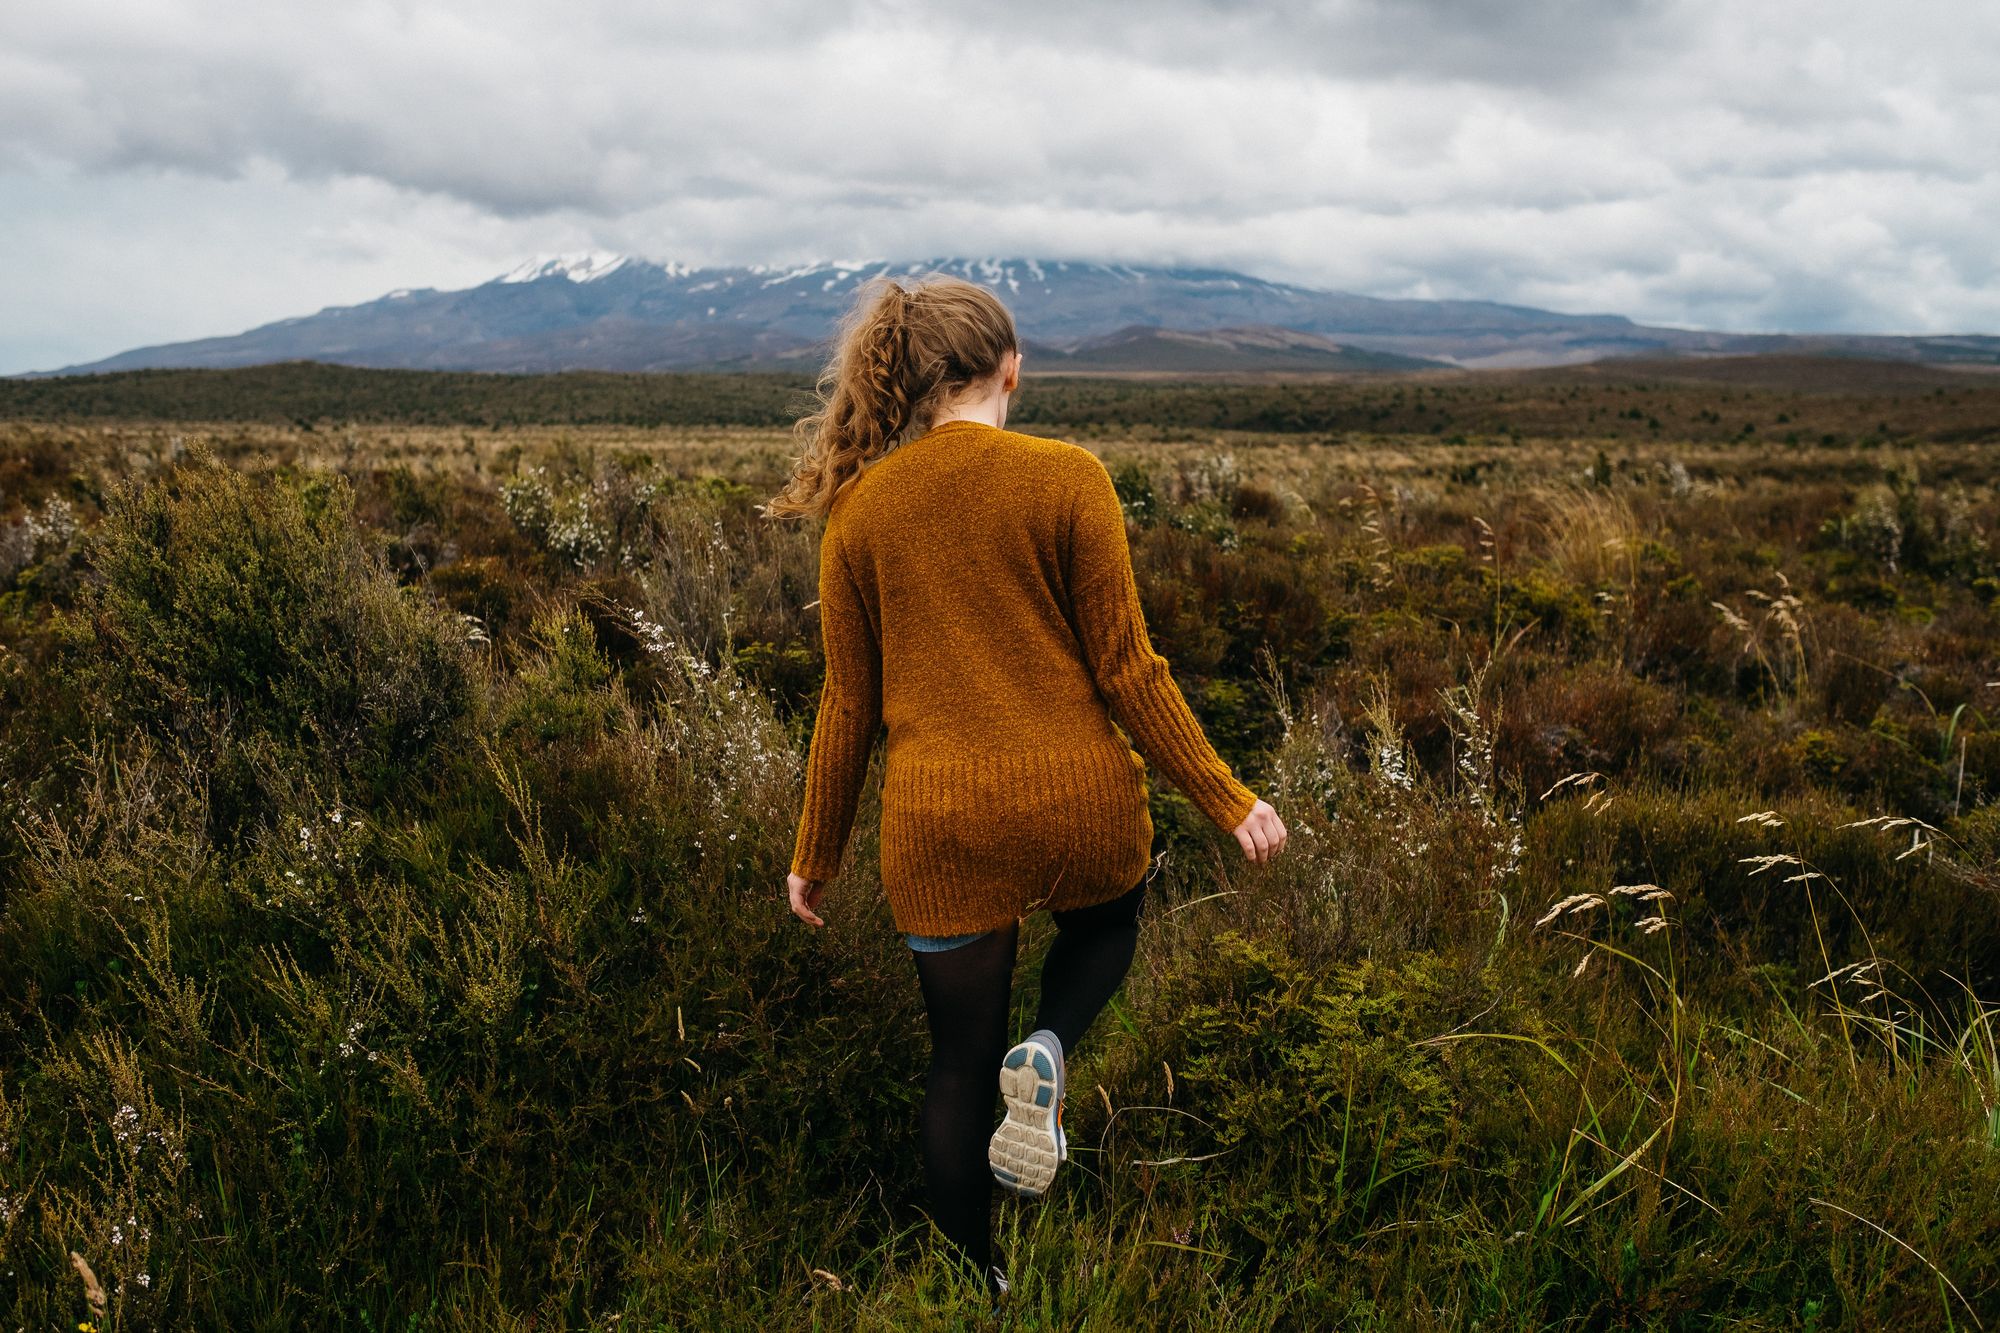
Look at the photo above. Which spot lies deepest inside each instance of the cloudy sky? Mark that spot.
(177, 168)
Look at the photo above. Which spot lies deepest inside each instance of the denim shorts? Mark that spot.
(1123, 908)
(940, 943)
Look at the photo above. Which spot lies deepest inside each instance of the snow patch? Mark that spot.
(584, 266)
(803, 271)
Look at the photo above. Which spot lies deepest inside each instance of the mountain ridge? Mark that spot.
(604, 310)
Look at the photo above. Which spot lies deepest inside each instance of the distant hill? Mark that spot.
(618, 312)
(1772, 402)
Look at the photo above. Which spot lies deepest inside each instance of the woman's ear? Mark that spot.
(1012, 380)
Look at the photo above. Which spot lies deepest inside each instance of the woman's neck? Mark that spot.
(987, 411)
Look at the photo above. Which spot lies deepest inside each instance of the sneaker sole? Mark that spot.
(1028, 1146)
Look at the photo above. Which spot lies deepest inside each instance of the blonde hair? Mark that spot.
(905, 349)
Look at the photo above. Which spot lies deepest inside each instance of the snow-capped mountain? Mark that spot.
(607, 311)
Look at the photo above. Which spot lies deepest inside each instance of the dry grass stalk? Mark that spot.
(93, 1290)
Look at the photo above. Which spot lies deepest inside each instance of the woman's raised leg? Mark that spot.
(1086, 964)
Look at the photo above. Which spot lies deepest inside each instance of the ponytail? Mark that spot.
(901, 353)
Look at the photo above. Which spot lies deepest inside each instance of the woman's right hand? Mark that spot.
(1261, 834)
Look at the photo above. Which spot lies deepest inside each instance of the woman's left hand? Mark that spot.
(805, 895)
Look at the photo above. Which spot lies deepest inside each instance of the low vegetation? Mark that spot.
(1790, 402)
(395, 819)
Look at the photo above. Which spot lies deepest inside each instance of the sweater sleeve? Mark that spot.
(1132, 677)
(850, 712)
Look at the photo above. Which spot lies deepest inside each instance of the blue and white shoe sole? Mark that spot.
(1025, 1151)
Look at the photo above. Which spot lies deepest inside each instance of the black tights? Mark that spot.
(967, 991)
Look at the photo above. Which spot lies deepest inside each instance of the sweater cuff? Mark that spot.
(1226, 803)
(815, 864)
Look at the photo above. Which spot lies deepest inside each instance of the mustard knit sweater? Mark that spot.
(976, 594)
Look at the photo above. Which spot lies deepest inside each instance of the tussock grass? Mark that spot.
(389, 898)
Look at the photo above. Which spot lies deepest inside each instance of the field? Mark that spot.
(399, 772)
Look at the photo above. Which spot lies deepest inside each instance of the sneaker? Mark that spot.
(1025, 1151)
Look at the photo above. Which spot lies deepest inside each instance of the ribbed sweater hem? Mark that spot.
(973, 841)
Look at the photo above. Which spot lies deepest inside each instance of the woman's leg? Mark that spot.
(1084, 967)
(966, 992)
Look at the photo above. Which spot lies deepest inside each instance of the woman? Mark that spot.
(976, 594)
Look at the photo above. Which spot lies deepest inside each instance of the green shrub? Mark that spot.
(1559, 608)
(223, 608)
(1135, 493)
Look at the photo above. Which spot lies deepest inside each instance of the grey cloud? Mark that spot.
(1506, 43)
(1683, 161)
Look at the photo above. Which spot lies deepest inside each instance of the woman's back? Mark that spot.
(957, 542)
(977, 595)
